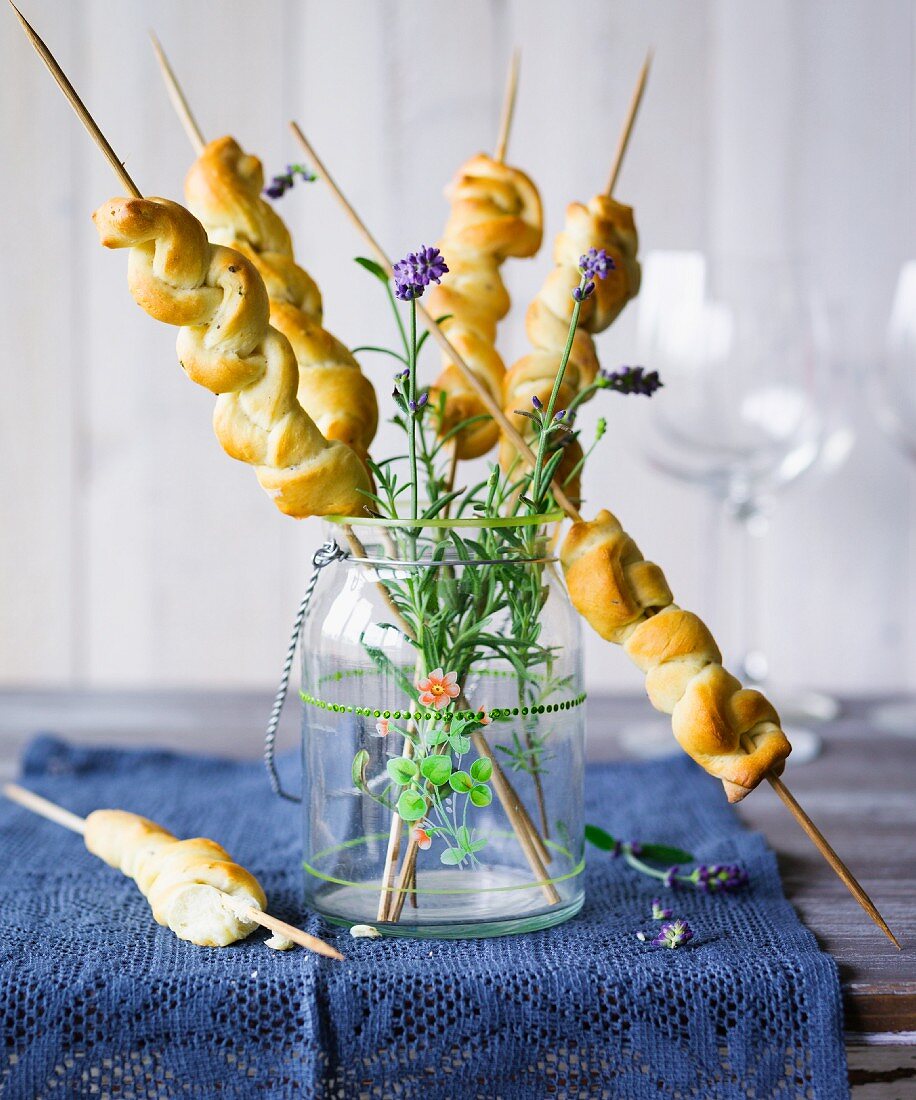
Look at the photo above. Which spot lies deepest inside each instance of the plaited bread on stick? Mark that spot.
(181, 879)
(602, 223)
(731, 731)
(226, 344)
(495, 213)
(223, 189)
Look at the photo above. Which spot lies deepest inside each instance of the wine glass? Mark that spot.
(751, 403)
(894, 404)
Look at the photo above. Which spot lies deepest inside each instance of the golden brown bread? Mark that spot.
(183, 880)
(223, 189)
(226, 344)
(733, 732)
(602, 223)
(495, 213)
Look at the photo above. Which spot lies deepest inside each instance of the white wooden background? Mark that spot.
(132, 551)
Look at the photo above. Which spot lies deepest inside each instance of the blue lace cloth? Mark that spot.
(96, 999)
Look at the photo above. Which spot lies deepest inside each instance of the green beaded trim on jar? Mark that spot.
(436, 716)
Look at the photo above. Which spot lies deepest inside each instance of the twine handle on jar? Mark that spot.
(324, 555)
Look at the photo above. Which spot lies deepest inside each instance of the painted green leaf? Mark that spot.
(463, 836)
(402, 769)
(437, 735)
(665, 854)
(460, 782)
(451, 857)
(477, 845)
(481, 769)
(436, 769)
(600, 838)
(411, 806)
(358, 770)
(459, 743)
(481, 795)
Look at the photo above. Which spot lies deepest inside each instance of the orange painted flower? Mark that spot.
(421, 838)
(483, 718)
(381, 727)
(438, 689)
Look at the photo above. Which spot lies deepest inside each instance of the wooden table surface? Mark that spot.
(861, 791)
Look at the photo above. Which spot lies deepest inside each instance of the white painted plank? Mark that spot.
(39, 413)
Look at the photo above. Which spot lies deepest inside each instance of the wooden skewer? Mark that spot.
(508, 111)
(507, 114)
(70, 92)
(45, 808)
(178, 98)
(624, 139)
(837, 865)
(492, 406)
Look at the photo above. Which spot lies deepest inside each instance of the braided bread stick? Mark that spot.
(183, 880)
(226, 344)
(223, 190)
(495, 213)
(602, 223)
(731, 731)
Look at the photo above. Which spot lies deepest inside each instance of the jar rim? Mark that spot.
(487, 522)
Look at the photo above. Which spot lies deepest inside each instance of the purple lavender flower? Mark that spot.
(670, 879)
(719, 877)
(402, 375)
(536, 401)
(631, 380)
(659, 912)
(279, 185)
(584, 291)
(416, 271)
(674, 934)
(419, 403)
(595, 264)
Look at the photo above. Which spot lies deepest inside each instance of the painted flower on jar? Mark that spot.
(421, 838)
(438, 689)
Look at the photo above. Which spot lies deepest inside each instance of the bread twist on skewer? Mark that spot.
(223, 189)
(181, 879)
(602, 223)
(495, 213)
(226, 344)
(731, 731)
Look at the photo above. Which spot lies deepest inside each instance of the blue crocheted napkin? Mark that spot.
(97, 999)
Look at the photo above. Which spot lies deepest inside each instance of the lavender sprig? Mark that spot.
(709, 878)
(630, 380)
(279, 185)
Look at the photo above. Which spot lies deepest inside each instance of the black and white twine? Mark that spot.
(324, 555)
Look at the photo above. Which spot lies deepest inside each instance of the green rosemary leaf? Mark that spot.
(381, 351)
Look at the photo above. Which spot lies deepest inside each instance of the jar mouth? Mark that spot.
(440, 523)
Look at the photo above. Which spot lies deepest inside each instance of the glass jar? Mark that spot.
(443, 731)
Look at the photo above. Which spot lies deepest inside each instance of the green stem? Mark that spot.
(412, 410)
(551, 407)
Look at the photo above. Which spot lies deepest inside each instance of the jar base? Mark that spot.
(498, 906)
